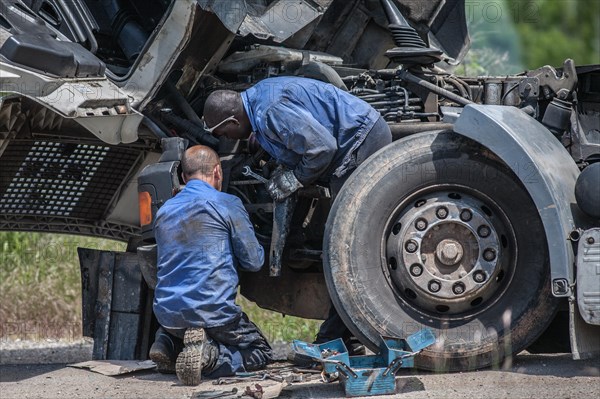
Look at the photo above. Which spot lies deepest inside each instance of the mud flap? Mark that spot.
(584, 326)
(585, 338)
(116, 304)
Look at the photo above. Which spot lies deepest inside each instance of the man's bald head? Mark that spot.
(200, 162)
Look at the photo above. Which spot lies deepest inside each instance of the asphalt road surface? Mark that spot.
(529, 376)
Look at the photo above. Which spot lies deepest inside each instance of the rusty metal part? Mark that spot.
(282, 217)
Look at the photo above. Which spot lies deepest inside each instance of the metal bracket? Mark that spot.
(551, 83)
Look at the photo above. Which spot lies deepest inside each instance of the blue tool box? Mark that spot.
(367, 375)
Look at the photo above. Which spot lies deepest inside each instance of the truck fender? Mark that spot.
(545, 169)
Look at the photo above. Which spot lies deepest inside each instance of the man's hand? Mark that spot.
(283, 184)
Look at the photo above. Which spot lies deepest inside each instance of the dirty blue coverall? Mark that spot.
(203, 235)
(320, 132)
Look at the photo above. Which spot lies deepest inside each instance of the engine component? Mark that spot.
(190, 130)
(404, 74)
(493, 91)
(587, 192)
(243, 61)
(411, 48)
(552, 83)
(511, 91)
(557, 116)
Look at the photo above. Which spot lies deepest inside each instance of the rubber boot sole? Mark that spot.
(189, 361)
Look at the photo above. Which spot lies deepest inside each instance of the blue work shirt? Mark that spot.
(307, 125)
(202, 236)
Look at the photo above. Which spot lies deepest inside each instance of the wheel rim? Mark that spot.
(450, 251)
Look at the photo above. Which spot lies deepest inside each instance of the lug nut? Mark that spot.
(458, 288)
(466, 215)
(479, 277)
(421, 224)
(434, 286)
(591, 240)
(483, 231)
(416, 270)
(442, 212)
(411, 246)
(489, 255)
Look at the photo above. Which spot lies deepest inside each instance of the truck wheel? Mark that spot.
(435, 232)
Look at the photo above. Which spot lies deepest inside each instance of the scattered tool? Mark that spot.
(235, 380)
(214, 394)
(246, 171)
(264, 392)
(281, 376)
(367, 375)
(254, 393)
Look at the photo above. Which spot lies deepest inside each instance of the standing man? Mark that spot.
(317, 131)
(202, 236)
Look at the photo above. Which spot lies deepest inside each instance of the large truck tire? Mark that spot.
(434, 231)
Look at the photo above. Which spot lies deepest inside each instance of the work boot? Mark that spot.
(199, 353)
(164, 351)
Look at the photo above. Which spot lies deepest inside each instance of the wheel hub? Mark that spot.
(445, 252)
(449, 252)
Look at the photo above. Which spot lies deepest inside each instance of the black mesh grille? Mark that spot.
(51, 178)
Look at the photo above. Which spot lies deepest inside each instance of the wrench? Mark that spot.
(246, 171)
(214, 394)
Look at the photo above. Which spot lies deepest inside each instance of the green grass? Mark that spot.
(40, 290)
(40, 284)
(277, 327)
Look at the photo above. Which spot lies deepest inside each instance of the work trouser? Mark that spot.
(379, 137)
(242, 347)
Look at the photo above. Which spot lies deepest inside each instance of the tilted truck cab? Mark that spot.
(480, 221)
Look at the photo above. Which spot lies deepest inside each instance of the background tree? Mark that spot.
(552, 30)
(508, 36)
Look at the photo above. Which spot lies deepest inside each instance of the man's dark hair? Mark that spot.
(199, 159)
(222, 104)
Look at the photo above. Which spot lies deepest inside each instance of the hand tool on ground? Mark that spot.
(214, 394)
(242, 378)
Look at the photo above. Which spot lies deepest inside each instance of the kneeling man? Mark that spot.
(203, 235)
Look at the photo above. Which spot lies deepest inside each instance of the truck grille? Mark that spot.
(67, 180)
